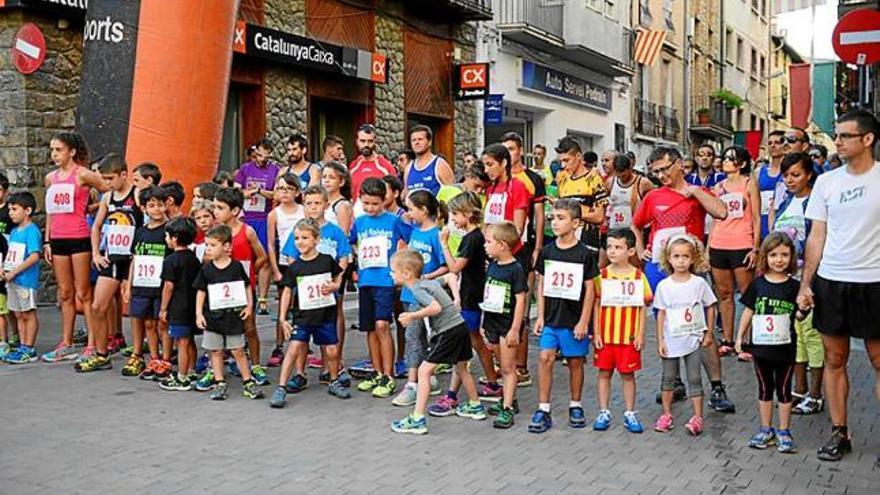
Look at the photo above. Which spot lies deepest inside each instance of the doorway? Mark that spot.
(340, 118)
(443, 144)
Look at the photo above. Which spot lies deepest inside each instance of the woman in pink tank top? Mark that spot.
(734, 241)
(67, 245)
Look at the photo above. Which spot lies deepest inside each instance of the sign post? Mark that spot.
(856, 40)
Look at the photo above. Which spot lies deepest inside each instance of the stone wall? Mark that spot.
(390, 120)
(286, 96)
(465, 111)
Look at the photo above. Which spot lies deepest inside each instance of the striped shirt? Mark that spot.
(619, 324)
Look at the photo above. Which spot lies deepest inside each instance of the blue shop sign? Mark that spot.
(561, 85)
(493, 109)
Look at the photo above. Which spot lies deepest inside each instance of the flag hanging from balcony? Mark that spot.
(750, 140)
(780, 6)
(649, 42)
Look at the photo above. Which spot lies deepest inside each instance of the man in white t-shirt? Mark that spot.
(842, 265)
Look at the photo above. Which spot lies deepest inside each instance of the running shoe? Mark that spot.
(276, 358)
(344, 379)
(206, 382)
(785, 442)
(443, 369)
(263, 307)
(4, 349)
(338, 390)
(765, 437)
(369, 383)
(324, 378)
(60, 353)
(14, 340)
(836, 446)
(664, 423)
(251, 390)
(220, 391)
(94, 363)
(21, 355)
(576, 417)
(85, 355)
(203, 363)
(718, 401)
(694, 426)
(410, 425)
(632, 423)
(484, 380)
(603, 420)
(679, 393)
(115, 344)
(436, 389)
(726, 348)
(134, 366)
(541, 422)
(258, 372)
(297, 384)
(232, 368)
(279, 398)
(400, 369)
(471, 410)
(80, 336)
(163, 370)
(127, 350)
(504, 419)
(497, 407)
(149, 373)
(314, 362)
(361, 369)
(443, 406)
(491, 393)
(385, 387)
(523, 377)
(745, 357)
(406, 397)
(809, 406)
(174, 383)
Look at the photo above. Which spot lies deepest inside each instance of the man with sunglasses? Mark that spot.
(769, 177)
(705, 175)
(841, 276)
(796, 140)
(819, 155)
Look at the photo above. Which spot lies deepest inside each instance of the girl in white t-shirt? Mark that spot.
(685, 321)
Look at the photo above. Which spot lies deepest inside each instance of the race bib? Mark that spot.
(199, 250)
(373, 252)
(766, 201)
(227, 295)
(734, 203)
(308, 292)
(621, 217)
(15, 256)
(771, 329)
(147, 271)
(59, 199)
(119, 239)
(495, 205)
(283, 236)
(661, 237)
(623, 293)
(256, 203)
(563, 280)
(493, 298)
(685, 321)
(247, 267)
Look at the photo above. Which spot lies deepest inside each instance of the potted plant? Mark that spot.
(731, 99)
(703, 116)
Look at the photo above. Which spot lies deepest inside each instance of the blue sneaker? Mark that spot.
(576, 417)
(344, 379)
(21, 355)
(785, 443)
(361, 369)
(297, 383)
(632, 423)
(603, 420)
(232, 369)
(259, 374)
(278, 399)
(411, 426)
(400, 369)
(541, 422)
(203, 363)
(763, 439)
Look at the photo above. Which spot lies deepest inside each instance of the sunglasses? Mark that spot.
(848, 135)
(792, 139)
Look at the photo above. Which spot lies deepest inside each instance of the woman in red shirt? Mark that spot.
(507, 199)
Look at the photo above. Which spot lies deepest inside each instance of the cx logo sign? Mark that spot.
(378, 64)
(474, 76)
(238, 43)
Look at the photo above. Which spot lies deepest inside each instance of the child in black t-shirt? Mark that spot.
(309, 287)
(223, 301)
(178, 307)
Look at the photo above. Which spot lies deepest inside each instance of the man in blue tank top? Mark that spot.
(427, 171)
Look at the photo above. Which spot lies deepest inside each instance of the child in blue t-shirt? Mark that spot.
(21, 271)
(376, 234)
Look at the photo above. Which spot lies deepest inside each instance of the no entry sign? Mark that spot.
(28, 48)
(856, 38)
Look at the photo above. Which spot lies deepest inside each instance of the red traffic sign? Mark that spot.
(856, 38)
(28, 48)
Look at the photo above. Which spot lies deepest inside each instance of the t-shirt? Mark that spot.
(504, 198)
(537, 195)
(362, 169)
(768, 298)
(619, 324)
(690, 298)
(4, 250)
(332, 242)
(664, 208)
(849, 206)
(577, 260)
(424, 292)
(250, 174)
(148, 242)
(447, 192)
(224, 321)
(589, 189)
(712, 179)
(6, 224)
(427, 243)
(32, 240)
(509, 280)
(181, 269)
(473, 275)
(792, 221)
(295, 279)
(376, 238)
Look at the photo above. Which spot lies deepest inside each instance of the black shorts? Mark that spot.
(450, 347)
(494, 336)
(69, 247)
(728, 259)
(117, 270)
(846, 309)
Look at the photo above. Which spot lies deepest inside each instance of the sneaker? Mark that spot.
(523, 377)
(163, 370)
(206, 382)
(361, 369)
(203, 363)
(504, 419)
(149, 373)
(314, 362)
(436, 389)
(603, 420)
(483, 380)
(279, 398)
(4, 349)
(679, 393)
(385, 387)
(369, 383)
(175, 384)
(745, 357)
(344, 379)
(785, 442)
(259, 375)
(80, 336)
(718, 401)
(232, 368)
(127, 350)
(336, 389)
(94, 363)
(400, 369)
(324, 378)
(251, 390)
(664, 423)
(297, 384)
(472, 411)
(406, 397)
(632, 423)
(220, 391)
(410, 425)
(541, 422)
(694, 426)
(726, 348)
(497, 407)
(21, 355)
(192, 376)
(276, 358)
(765, 437)
(263, 307)
(808, 406)
(85, 355)
(115, 344)
(490, 393)
(576, 417)
(60, 353)
(443, 369)
(834, 449)
(134, 366)
(444, 406)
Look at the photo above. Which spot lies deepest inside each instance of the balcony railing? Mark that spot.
(468, 10)
(669, 124)
(646, 118)
(540, 16)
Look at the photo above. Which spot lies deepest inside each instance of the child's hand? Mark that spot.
(580, 331)
(738, 345)
(327, 288)
(126, 293)
(200, 321)
(100, 262)
(512, 337)
(245, 312)
(539, 327)
(707, 340)
(406, 319)
(444, 235)
(639, 343)
(163, 316)
(287, 328)
(597, 340)
(277, 276)
(661, 348)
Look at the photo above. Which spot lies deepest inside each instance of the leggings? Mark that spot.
(692, 363)
(774, 376)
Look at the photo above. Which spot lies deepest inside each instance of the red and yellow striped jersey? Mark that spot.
(619, 324)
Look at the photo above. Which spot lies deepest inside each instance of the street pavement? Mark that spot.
(65, 433)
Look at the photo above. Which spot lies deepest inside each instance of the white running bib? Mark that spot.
(495, 206)
(308, 292)
(493, 298)
(119, 239)
(766, 201)
(147, 271)
(621, 217)
(771, 329)
(59, 199)
(373, 252)
(734, 203)
(227, 295)
(619, 293)
(661, 237)
(563, 280)
(685, 321)
(256, 203)
(15, 256)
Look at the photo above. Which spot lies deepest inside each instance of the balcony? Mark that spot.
(670, 127)
(646, 122)
(714, 125)
(463, 10)
(532, 22)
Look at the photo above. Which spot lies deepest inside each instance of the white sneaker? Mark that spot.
(406, 397)
(436, 389)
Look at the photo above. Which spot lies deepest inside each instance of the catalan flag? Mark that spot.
(649, 42)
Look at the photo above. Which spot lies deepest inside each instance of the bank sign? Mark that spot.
(561, 85)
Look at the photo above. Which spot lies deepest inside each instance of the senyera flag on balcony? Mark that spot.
(649, 42)
(780, 6)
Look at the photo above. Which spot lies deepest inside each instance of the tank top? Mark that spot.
(735, 231)
(284, 224)
(772, 190)
(123, 217)
(241, 251)
(620, 204)
(66, 203)
(425, 179)
(330, 213)
(304, 178)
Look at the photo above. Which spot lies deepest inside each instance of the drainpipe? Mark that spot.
(688, 37)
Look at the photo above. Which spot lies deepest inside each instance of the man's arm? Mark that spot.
(444, 172)
(812, 257)
(714, 206)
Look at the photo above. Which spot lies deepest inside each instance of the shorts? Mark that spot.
(728, 259)
(117, 270)
(846, 309)
(654, 273)
(261, 227)
(69, 247)
(4, 307)
(810, 348)
(472, 319)
(20, 299)
(180, 331)
(494, 336)
(323, 334)
(374, 304)
(621, 357)
(415, 342)
(450, 347)
(562, 339)
(213, 341)
(144, 307)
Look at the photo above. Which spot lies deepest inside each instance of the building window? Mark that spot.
(753, 66)
(645, 12)
(755, 7)
(762, 66)
(729, 46)
(740, 119)
(753, 120)
(740, 54)
(611, 9)
(667, 14)
(595, 5)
